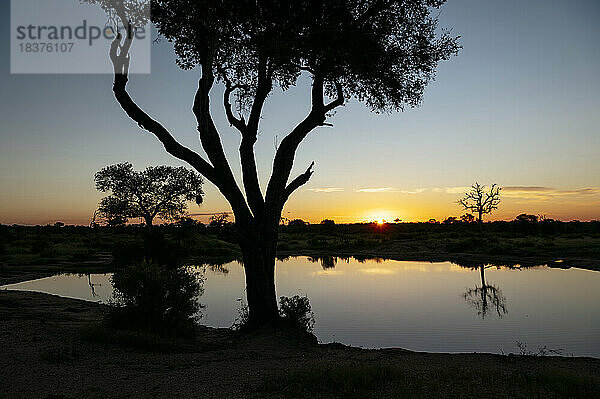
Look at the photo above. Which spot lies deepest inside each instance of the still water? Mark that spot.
(437, 307)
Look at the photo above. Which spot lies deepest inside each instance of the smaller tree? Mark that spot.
(297, 223)
(480, 201)
(219, 220)
(467, 218)
(157, 191)
(525, 218)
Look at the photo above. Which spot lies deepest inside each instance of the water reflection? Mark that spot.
(329, 262)
(92, 285)
(485, 298)
(415, 305)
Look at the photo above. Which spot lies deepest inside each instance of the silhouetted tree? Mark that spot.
(383, 53)
(297, 223)
(467, 218)
(525, 218)
(481, 202)
(450, 220)
(157, 191)
(219, 220)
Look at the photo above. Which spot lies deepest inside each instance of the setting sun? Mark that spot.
(380, 216)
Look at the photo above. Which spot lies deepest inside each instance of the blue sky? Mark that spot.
(517, 107)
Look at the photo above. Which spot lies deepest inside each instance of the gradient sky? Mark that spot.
(519, 107)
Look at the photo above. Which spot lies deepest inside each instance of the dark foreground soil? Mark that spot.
(52, 347)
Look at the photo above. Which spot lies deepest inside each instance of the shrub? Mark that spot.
(241, 322)
(154, 298)
(297, 312)
(294, 312)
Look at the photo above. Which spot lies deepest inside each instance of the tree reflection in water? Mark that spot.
(487, 298)
(329, 262)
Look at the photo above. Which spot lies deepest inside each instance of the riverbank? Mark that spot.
(33, 252)
(55, 346)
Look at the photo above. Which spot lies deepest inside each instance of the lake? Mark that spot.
(421, 306)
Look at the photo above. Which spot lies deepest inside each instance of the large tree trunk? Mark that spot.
(258, 253)
(148, 220)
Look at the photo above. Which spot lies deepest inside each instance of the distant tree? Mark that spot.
(157, 191)
(382, 53)
(219, 220)
(433, 221)
(450, 220)
(397, 220)
(297, 223)
(525, 218)
(327, 222)
(467, 218)
(59, 224)
(481, 202)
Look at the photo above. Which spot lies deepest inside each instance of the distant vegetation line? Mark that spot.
(27, 250)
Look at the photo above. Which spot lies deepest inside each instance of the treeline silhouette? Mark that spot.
(216, 242)
(523, 224)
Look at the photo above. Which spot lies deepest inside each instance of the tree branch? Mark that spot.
(120, 59)
(249, 137)
(298, 182)
(339, 101)
(219, 173)
(238, 123)
(211, 142)
(284, 158)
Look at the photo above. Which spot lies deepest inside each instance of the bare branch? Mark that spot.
(339, 101)
(249, 137)
(284, 158)
(238, 123)
(120, 61)
(211, 142)
(298, 182)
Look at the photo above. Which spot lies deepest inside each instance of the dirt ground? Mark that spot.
(44, 354)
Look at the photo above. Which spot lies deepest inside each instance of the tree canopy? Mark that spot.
(156, 191)
(381, 52)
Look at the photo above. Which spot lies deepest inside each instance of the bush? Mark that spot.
(294, 312)
(153, 298)
(297, 312)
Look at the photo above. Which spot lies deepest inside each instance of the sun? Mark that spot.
(380, 222)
